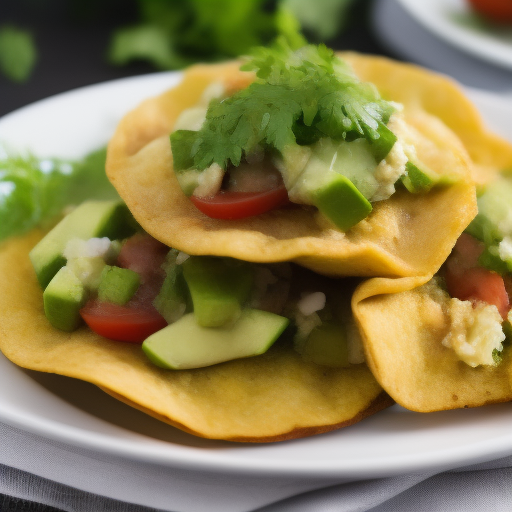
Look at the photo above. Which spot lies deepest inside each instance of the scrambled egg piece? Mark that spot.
(475, 332)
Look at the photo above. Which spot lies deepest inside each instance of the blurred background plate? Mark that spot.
(454, 22)
(407, 37)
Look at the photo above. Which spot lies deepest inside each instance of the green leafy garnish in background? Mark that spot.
(323, 19)
(34, 192)
(174, 33)
(18, 53)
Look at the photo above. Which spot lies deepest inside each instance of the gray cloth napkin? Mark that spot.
(78, 480)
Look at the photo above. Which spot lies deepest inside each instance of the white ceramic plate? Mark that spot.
(79, 414)
(444, 18)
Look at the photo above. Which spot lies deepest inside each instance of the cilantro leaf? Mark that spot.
(33, 191)
(298, 97)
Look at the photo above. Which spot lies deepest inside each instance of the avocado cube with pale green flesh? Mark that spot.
(118, 285)
(92, 219)
(419, 177)
(218, 287)
(327, 345)
(185, 344)
(341, 202)
(383, 144)
(63, 298)
(173, 299)
(494, 206)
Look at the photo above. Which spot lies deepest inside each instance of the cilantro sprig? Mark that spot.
(298, 97)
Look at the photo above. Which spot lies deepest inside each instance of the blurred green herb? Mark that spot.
(323, 19)
(34, 192)
(174, 33)
(18, 53)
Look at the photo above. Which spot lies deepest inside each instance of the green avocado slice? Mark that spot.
(91, 219)
(185, 344)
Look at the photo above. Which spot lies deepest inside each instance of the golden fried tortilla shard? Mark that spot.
(408, 234)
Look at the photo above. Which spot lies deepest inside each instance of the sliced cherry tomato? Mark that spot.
(499, 11)
(122, 323)
(466, 280)
(237, 205)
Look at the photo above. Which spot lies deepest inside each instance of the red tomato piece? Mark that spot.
(122, 323)
(499, 11)
(138, 319)
(466, 280)
(238, 205)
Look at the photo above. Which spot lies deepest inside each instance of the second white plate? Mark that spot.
(445, 19)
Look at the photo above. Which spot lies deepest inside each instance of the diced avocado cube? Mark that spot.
(494, 220)
(354, 160)
(118, 285)
(91, 219)
(173, 299)
(63, 298)
(327, 345)
(185, 344)
(218, 287)
(419, 177)
(383, 144)
(341, 202)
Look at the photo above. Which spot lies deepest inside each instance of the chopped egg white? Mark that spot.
(209, 181)
(475, 332)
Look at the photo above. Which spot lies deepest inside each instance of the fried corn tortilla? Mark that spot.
(403, 326)
(408, 234)
(272, 397)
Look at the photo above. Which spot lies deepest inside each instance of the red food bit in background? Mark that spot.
(499, 11)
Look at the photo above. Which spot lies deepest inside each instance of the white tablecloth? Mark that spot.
(31, 468)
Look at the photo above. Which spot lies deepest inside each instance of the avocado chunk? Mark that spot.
(111, 219)
(117, 285)
(185, 344)
(327, 345)
(63, 298)
(492, 223)
(383, 144)
(341, 202)
(218, 287)
(173, 299)
(419, 177)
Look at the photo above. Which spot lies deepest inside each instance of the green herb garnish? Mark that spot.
(34, 191)
(298, 97)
